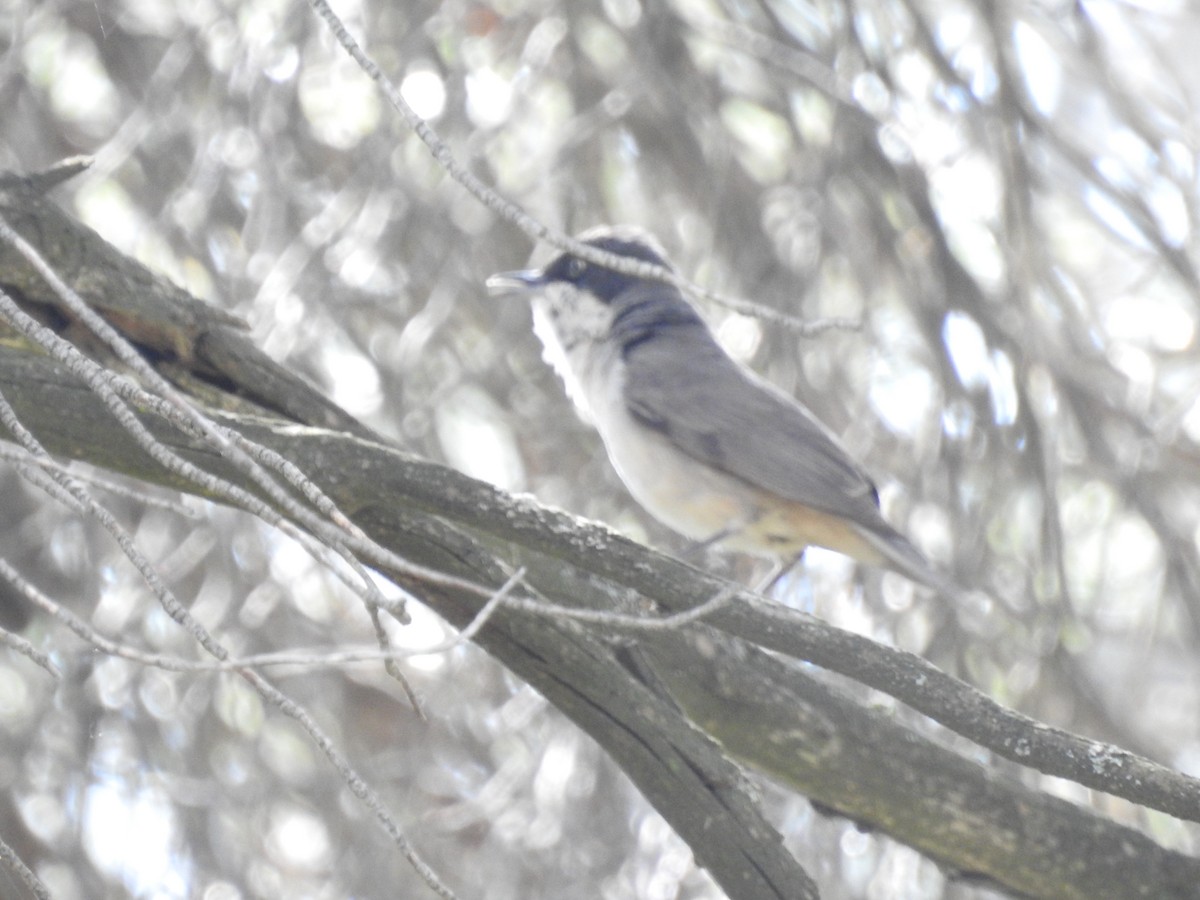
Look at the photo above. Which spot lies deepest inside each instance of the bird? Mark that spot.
(703, 443)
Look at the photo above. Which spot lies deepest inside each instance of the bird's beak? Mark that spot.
(521, 280)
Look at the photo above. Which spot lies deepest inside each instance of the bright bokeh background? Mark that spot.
(1004, 195)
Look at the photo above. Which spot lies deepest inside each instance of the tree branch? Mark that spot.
(706, 692)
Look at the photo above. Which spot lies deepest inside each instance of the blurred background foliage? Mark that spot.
(1003, 195)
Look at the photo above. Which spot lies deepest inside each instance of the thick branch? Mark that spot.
(763, 712)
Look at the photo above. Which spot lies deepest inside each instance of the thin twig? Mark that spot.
(19, 645)
(117, 392)
(19, 456)
(92, 637)
(203, 426)
(22, 871)
(214, 648)
(513, 213)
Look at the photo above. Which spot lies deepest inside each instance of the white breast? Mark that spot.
(688, 497)
(573, 329)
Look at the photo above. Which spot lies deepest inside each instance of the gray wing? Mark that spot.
(690, 390)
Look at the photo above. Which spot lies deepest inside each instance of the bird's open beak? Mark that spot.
(521, 280)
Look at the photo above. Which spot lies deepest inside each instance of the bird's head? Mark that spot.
(567, 269)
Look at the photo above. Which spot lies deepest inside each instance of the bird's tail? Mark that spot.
(900, 555)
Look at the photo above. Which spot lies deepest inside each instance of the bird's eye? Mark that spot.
(575, 268)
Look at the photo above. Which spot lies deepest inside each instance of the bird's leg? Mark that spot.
(699, 548)
(776, 573)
